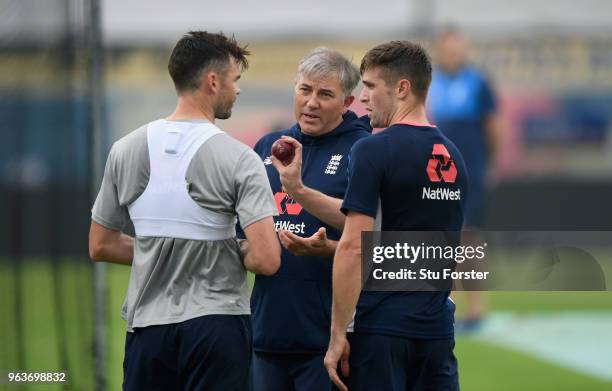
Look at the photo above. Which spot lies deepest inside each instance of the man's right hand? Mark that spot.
(291, 174)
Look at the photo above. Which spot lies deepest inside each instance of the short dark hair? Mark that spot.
(401, 59)
(197, 51)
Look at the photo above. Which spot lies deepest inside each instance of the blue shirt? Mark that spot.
(388, 175)
(291, 310)
(458, 104)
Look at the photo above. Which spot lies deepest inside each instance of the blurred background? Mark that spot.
(76, 75)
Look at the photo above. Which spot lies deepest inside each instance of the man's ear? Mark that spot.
(348, 101)
(404, 88)
(211, 81)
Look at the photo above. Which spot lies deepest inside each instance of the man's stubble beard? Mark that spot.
(224, 109)
(376, 121)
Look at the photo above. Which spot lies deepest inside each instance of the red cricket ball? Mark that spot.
(283, 151)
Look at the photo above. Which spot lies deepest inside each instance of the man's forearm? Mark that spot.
(346, 285)
(247, 260)
(119, 251)
(322, 206)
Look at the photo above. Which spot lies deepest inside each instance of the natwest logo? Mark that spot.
(441, 194)
(441, 168)
(286, 204)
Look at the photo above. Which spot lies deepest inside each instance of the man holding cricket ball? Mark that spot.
(307, 172)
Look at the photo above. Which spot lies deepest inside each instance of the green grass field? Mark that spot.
(483, 365)
(55, 337)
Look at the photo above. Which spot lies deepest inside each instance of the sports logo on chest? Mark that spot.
(333, 164)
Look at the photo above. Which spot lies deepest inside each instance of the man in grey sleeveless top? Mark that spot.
(183, 182)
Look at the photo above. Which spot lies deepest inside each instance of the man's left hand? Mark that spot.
(316, 245)
(338, 352)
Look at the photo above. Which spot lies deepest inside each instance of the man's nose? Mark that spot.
(363, 96)
(312, 101)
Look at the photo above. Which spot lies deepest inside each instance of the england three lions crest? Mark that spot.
(333, 164)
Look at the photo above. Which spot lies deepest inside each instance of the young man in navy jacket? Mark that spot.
(291, 310)
(400, 340)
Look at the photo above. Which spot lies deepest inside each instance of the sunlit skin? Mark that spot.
(319, 104)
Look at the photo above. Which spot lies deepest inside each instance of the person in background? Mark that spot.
(463, 104)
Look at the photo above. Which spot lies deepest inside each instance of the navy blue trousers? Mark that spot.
(289, 372)
(211, 353)
(380, 362)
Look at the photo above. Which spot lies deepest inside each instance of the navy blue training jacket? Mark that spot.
(291, 310)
